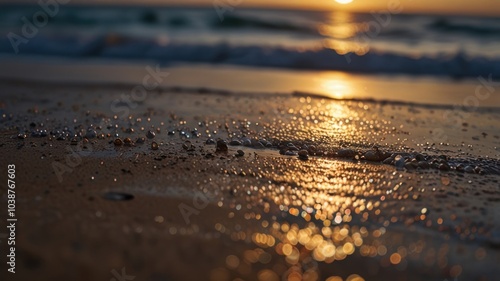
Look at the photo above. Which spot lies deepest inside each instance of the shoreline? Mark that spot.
(237, 79)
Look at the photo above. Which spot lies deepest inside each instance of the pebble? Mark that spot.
(118, 142)
(388, 161)
(221, 146)
(118, 196)
(128, 142)
(372, 155)
(188, 146)
(195, 133)
(303, 155)
(258, 145)
(154, 146)
(423, 165)
(399, 161)
(150, 134)
(444, 167)
(478, 170)
(91, 134)
(210, 141)
(347, 153)
(469, 169)
(235, 143)
(240, 153)
(246, 142)
(140, 140)
(410, 166)
(420, 157)
(303, 152)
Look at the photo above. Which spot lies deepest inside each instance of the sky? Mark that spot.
(464, 7)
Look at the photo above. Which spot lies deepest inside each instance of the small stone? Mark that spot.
(21, 136)
(140, 140)
(221, 146)
(246, 142)
(399, 161)
(346, 153)
(127, 141)
(240, 153)
(303, 152)
(118, 196)
(91, 134)
(445, 181)
(150, 134)
(478, 170)
(258, 145)
(291, 153)
(118, 142)
(210, 141)
(444, 167)
(188, 146)
(469, 169)
(423, 165)
(154, 146)
(388, 161)
(410, 166)
(444, 157)
(419, 157)
(235, 143)
(372, 155)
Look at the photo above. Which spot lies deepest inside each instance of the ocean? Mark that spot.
(433, 45)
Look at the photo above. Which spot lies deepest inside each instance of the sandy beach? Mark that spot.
(169, 202)
(225, 140)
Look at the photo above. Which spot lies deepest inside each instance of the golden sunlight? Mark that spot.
(343, 1)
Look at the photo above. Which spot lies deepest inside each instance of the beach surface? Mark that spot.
(195, 183)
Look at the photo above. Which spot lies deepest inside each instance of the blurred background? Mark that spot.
(444, 40)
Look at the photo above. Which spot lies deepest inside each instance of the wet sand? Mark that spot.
(89, 205)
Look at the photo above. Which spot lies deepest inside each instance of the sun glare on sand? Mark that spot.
(343, 1)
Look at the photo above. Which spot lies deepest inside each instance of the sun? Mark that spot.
(343, 1)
